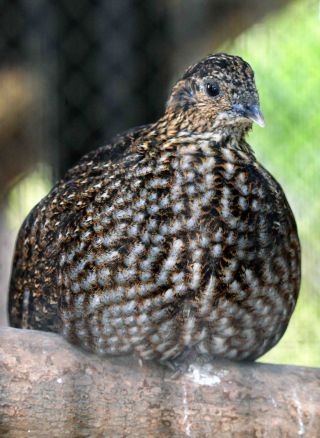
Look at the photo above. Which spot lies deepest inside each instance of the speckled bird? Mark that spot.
(172, 240)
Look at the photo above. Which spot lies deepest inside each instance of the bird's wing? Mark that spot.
(118, 149)
(33, 295)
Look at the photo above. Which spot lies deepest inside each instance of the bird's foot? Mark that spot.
(180, 364)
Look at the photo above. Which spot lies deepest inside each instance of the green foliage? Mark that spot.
(25, 194)
(284, 53)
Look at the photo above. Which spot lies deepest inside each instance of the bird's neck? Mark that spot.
(175, 131)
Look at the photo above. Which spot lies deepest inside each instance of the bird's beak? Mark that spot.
(251, 112)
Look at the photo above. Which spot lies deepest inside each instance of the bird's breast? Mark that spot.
(191, 249)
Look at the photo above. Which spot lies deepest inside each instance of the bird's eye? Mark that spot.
(212, 88)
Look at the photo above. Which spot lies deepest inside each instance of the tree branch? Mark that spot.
(49, 388)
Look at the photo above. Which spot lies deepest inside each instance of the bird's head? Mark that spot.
(216, 93)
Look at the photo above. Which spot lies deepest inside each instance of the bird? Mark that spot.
(171, 240)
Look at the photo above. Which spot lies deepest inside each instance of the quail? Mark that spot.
(172, 239)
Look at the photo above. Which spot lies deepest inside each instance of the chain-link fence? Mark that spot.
(98, 68)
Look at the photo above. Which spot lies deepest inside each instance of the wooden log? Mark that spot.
(50, 389)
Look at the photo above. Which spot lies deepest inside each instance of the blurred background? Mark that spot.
(74, 73)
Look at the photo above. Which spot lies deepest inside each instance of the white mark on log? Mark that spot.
(274, 403)
(296, 401)
(186, 421)
(59, 380)
(201, 377)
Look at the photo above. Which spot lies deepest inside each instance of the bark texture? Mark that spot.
(50, 389)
